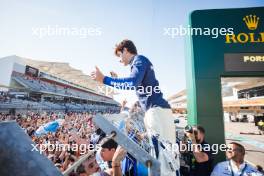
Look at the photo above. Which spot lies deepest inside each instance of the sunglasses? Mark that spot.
(230, 150)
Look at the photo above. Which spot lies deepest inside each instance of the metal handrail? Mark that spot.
(77, 164)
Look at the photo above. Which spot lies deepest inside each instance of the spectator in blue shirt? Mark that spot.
(235, 165)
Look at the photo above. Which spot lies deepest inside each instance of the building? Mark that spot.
(242, 97)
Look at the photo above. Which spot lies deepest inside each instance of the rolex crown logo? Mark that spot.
(251, 21)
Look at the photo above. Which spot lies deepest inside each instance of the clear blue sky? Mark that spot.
(140, 20)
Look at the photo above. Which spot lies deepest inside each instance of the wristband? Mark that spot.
(115, 164)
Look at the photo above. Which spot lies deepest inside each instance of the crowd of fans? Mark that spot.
(106, 157)
(77, 129)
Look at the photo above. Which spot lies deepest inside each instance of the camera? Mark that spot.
(188, 129)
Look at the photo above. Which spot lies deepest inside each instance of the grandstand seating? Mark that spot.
(96, 102)
(20, 104)
(42, 86)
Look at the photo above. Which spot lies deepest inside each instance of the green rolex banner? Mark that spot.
(235, 49)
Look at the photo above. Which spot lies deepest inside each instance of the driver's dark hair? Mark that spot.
(128, 44)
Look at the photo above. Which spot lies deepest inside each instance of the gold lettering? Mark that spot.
(252, 38)
(262, 36)
(231, 37)
(245, 36)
